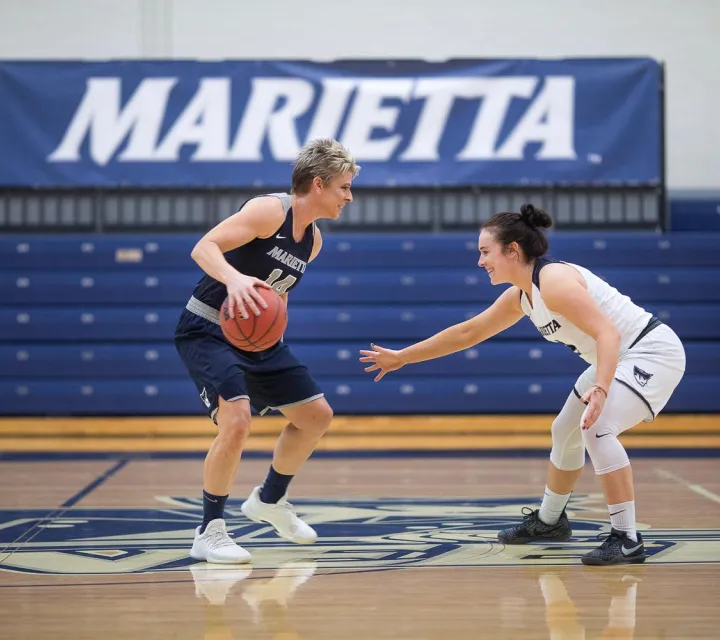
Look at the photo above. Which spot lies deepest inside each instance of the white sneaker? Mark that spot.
(215, 545)
(281, 516)
(214, 582)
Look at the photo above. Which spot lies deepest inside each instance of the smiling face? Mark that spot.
(499, 262)
(334, 195)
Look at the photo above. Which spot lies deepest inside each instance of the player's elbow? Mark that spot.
(199, 250)
(469, 336)
(196, 250)
(610, 335)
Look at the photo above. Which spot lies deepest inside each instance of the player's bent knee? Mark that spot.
(313, 416)
(605, 451)
(234, 432)
(234, 423)
(568, 450)
(322, 416)
(568, 459)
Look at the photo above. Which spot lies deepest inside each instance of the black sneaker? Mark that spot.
(532, 529)
(617, 548)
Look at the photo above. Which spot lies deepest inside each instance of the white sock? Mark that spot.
(622, 518)
(552, 506)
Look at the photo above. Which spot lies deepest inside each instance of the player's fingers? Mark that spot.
(379, 376)
(255, 295)
(250, 304)
(368, 354)
(372, 368)
(239, 306)
(592, 416)
(367, 359)
(584, 418)
(231, 306)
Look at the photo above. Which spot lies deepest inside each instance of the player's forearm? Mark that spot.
(212, 261)
(608, 350)
(450, 340)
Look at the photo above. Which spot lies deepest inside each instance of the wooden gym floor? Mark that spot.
(97, 516)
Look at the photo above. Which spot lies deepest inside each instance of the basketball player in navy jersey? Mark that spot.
(635, 364)
(268, 243)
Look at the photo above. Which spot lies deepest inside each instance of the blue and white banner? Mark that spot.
(410, 123)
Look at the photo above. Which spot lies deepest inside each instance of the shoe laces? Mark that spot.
(218, 538)
(287, 507)
(608, 538)
(528, 513)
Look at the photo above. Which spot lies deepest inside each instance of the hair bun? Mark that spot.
(536, 218)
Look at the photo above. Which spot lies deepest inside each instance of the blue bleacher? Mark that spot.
(696, 212)
(342, 250)
(86, 322)
(340, 286)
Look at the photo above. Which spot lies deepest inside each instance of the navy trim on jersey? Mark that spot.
(540, 263)
(653, 323)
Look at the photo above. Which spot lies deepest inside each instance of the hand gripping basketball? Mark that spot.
(256, 332)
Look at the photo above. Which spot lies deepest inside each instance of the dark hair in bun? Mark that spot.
(523, 228)
(535, 217)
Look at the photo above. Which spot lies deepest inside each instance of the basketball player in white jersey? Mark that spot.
(635, 364)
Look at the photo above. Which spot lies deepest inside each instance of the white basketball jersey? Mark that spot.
(629, 318)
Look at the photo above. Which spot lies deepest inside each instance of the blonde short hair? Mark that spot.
(322, 158)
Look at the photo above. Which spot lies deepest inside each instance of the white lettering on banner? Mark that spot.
(262, 118)
(329, 114)
(99, 115)
(548, 120)
(368, 113)
(490, 116)
(354, 110)
(205, 122)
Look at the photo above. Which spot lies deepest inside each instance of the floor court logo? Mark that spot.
(361, 534)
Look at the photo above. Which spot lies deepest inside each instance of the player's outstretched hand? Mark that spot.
(384, 360)
(243, 295)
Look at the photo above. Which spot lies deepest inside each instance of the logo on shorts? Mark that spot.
(641, 376)
(204, 397)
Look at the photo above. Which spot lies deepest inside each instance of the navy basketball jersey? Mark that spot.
(278, 260)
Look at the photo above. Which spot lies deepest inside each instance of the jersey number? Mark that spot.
(282, 285)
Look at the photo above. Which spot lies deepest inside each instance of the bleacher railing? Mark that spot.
(24, 210)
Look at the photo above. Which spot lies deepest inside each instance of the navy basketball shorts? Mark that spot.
(271, 379)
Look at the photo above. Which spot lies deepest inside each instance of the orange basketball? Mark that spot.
(256, 333)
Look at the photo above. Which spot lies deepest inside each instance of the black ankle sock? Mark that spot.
(213, 508)
(274, 487)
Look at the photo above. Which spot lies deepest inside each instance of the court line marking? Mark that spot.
(86, 491)
(31, 533)
(695, 488)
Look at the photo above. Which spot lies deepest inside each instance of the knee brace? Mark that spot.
(605, 450)
(568, 450)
